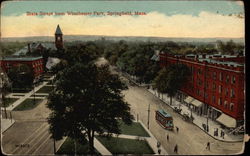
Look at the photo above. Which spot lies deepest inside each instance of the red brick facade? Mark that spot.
(35, 63)
(215, 83)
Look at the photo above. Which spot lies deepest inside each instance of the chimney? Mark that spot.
(29, 48)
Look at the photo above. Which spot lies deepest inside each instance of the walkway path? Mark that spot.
(151, 140)
(27, 95)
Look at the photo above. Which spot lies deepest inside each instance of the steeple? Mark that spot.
(58, 30)
(58, 38)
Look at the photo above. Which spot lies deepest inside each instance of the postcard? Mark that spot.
(123, 77)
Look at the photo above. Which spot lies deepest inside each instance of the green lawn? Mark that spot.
(9, 101)
(27, 104)
(17, 95)
(21, 90)
(68, 147)
(134, 129)
(45, 89)
(38, 95)
(125, 146)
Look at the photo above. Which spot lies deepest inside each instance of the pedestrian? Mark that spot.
(223, 134)
(177, 129)
(176, 148)
(158, 144)
(208, 146)
(167, 137)
(159, 151)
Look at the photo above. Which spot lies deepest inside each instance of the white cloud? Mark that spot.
(153, 24)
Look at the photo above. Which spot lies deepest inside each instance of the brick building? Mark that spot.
(35, 63)
(216, 86)
(31, 56)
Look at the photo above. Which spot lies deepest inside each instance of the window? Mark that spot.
(198, 92)
(199, 71)
(227, 79)
(225, 104)
(214, 75)
(8, 65)
(206, 85)
(220, 89)
(206, 95)
(233, 80)
(213, 99)
(226, 92)
(231, 106)
(214, 86)
(219, 101)
(232, 93)
(221, 76)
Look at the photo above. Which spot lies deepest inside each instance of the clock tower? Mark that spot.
(58, 38)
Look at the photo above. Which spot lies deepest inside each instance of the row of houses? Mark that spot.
(216, 87)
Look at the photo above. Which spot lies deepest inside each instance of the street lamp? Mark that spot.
(2, 88)
(148, 114)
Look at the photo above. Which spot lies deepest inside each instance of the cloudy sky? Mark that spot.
(199, 19)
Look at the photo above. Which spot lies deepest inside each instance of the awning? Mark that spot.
(216, 109)
(226, 120)
(196, 103)
(189, 99)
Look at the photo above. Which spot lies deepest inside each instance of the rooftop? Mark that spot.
(58, 30)
(11, 58)
(165, 114)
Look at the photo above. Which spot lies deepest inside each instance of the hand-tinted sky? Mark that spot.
(172, 11)
(166, 7)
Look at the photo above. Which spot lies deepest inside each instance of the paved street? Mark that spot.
(29, 134)
(190, 139)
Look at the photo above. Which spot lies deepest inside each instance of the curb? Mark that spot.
(197, 125)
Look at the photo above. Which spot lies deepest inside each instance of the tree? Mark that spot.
(170, 79)
(21, 76)
(87, 99)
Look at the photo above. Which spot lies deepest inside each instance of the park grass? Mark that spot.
(36, 95)
(17, 95)
(9, 101)
(45, 89)
(68, 147)
(21, 90)
(135, 129)
(125, 146)
(27, 104)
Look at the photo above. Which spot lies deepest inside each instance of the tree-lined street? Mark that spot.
(190, 139)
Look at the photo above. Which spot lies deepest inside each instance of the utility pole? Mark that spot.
(148, 114)
(54, 146)
(34, 94)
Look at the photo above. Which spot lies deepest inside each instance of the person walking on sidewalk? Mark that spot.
(208, 146)
(177, 129)
(176, 149)
(167, 137)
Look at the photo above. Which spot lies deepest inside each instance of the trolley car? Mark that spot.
(164, 119)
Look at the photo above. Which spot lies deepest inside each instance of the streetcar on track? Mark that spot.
(164, 119)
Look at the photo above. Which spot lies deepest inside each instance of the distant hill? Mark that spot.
(70, 38)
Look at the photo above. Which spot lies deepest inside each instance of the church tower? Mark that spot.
(58, 38)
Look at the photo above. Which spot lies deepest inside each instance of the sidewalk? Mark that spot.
(151, 140)
(22, 98)
(5, 124)
(199, 120)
